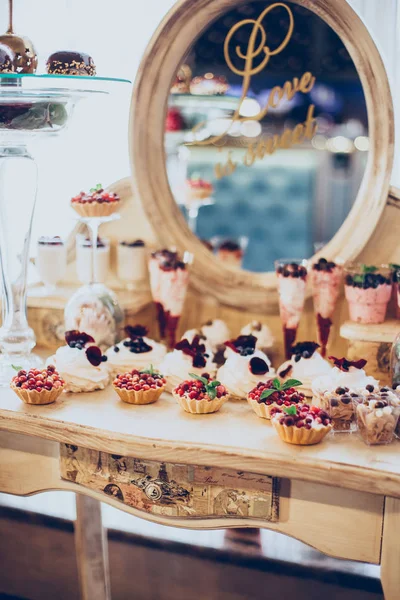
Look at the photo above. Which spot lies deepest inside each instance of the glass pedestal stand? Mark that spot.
(94, 308)
(31, 106)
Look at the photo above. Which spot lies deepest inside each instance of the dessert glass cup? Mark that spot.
(51, 263)
(131, 264)
(292, 294)
(325, 289)
(341, 409)
(367, 301)
(168, 288)
(233, 258)
(84, 259)
(377, 425)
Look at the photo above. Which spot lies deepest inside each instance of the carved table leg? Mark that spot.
(91, 550)
(390, 557)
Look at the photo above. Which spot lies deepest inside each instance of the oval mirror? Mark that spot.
(270, 137)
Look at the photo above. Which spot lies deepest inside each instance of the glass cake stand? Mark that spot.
(31, 106)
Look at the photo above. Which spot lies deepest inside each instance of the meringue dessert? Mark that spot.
(80, 363)
(216, 332)
(326, 280)
(265, 339)
(292, 278)
(245, 367)
(347, 374)
(186, 358)
(305, 364)
(368, 290)
(136, 351)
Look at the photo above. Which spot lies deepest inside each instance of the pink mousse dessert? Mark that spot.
(292, 279)
(326, 280)
(169, 277)
(368, 291)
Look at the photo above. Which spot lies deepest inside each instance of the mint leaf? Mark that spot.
(149, 371)
(16, 368)
(277, 384)
(291, 383)
(97, 188)
(368, 269)
(214, 383)
(202, 379)
(290, 410)
(358, 278)
(212, 392)
(267, 393)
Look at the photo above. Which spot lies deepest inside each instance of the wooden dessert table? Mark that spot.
(227, 469)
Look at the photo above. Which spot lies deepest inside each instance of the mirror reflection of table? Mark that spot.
(337, 496)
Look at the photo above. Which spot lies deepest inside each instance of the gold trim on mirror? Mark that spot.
(166, 51)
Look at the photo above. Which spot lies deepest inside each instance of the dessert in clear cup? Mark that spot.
(274, 394)
(245, 367)
(200, 394)
(340, 405)
(186, 358)
(181, 84)
(326, 281)
(377, 419)
(143, 386)
(346, 374)
(198, 189)
(67, 62)
(81, 363)
(132, 262)
(209, 85)
(97, 203)
(135, 351)
(305, 364)
(261, 331)
(367, 290)
(169, 278)
(84, 259)
(292, 280)
(51, 260)
(301, 424)
(38, 386)
(230, 252)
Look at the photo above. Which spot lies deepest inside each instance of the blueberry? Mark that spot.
(340, 391)
(116, 349)
(79, 346)
(369, 388)
(306, 354)
(104, 358)
(127, 343)
(346, 399)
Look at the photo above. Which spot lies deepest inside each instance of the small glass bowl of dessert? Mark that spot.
(84, 259)
(341, 404)
(51, 261)
(132, 263)
(368, 290)
(230, 251)
(377, 419)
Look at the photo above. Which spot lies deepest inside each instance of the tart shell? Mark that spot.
(141, 397)
(95, 209)
(301, 436)
(200, 407)
(35, 397)
(199, 193)
(261, 409)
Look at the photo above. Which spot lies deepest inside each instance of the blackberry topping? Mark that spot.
(286, 371)
(304, 350)
(324, 265)
(340, 391)
(367, 278)
(230, 246)
(134, 244)
(77, 339)
(258, 366)
(138, 346)
(244, 345)
(292, 270)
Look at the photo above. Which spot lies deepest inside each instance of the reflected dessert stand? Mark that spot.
(31, 107)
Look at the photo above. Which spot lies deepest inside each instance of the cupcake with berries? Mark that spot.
(81, 363)
(38, 386)
(305, 364)
(136, 351)
(245, 367)
(200, 394)
(98, 203)
(301, 424)
(187, 357)
(272, 394)
(140, 387)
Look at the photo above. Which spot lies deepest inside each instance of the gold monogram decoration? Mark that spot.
(256, 57)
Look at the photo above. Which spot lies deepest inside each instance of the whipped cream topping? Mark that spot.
(79, 374)
(354, 379)
(236, 376)
(262, 332)
(179, 365)
(216, 332)
(305, 370)
(123, 360)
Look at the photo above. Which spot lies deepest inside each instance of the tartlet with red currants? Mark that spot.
(201, 394)
(38, 386)
(140, 387)
(274, 394)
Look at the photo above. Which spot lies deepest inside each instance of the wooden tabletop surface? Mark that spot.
(233, 438)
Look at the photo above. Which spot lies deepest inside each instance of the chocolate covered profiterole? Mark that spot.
(65, 62)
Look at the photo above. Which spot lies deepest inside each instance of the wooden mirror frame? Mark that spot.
(164, 54)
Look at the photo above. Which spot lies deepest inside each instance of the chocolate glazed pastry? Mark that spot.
(65, 62)
(17, 53)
